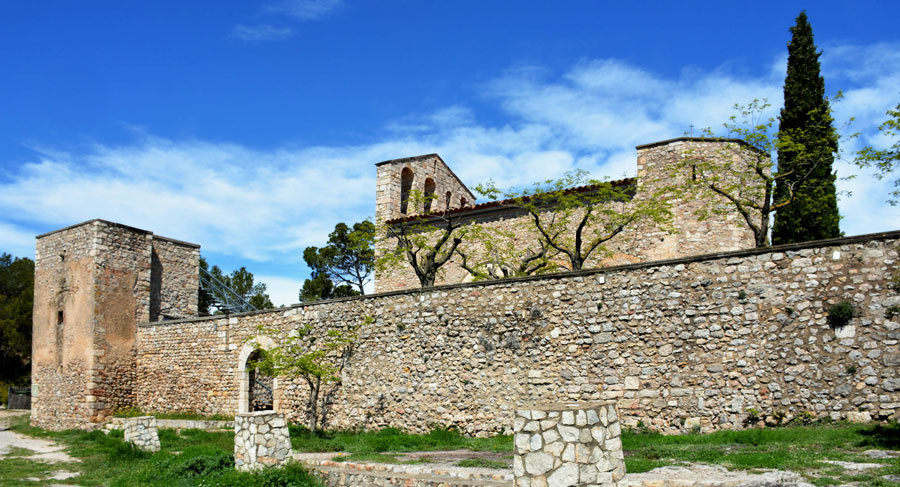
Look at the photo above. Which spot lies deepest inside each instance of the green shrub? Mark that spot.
(840, 314)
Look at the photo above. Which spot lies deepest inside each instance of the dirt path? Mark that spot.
(41, 450)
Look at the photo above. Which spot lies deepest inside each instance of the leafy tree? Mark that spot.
(16, 305)
(745, 178)
(576, 216)
(885, 161)
(807, 181)
(240, 281)
(424, 242)
(343, 266)
(316, 359)
(494, 253)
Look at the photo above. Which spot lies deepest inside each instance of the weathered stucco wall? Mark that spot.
(93, 285)
(695, 340)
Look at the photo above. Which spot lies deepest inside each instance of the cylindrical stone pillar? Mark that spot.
(568, 444)
(261, 439)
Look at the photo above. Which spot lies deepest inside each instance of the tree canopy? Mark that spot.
(343, 266)
(16, 305)
(885, 161)
(241, 281)
(807, 179)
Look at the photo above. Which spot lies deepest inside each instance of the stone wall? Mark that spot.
(678, 343)
(93, 284)
(141, 432)
(387, 185)
(512, 231)
(175, 278)
(261, 439)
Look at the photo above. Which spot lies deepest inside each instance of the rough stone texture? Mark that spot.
(563, 445)
(142, 433)
(176, 424)
(93, 283)
(387, 185)
(723, 229)
(261, 439)
(700, 339)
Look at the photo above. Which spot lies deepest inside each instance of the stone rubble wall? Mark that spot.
(176, 279)
(722, 230)
(679, 345)
(142, 433)
(93, 284)
(261, 439)
(567, 445)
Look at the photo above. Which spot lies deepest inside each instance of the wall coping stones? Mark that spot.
(326, 460)
(176, 424)
(834, 242)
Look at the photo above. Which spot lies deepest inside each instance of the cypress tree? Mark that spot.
(807, 144)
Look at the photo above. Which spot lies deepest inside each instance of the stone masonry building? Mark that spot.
(694, 331)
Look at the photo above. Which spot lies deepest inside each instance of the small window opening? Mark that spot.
(406, 178)
(429, 193)
(62, 257)
(693, 172)
(463, 202)
(447, 200)
(59, 317)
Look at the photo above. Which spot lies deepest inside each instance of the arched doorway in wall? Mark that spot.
(256, 390)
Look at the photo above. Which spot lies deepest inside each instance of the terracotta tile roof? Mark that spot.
(499, 204)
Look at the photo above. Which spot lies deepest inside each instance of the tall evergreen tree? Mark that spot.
(807, 144)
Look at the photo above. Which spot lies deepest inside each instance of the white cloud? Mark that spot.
(16, 240)
(260, 32)
(266, 205)
(304, 9)
(281, 290)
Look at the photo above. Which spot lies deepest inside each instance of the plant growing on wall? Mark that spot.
(424, 242)
(316, 358)
(840, 314)
(576, 216)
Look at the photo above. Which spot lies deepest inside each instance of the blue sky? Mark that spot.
(251, 128)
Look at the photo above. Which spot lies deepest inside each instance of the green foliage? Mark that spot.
(317, 358)
(347, 259)
(885, 161)
(746, 178)
(494, 253)
(134, 412)
(423, 242)
(240, 281)
(482, 463)
(892, 311)
(805, 165)
(840, 314)
(16, 305)
(575, 216)
(360, 443)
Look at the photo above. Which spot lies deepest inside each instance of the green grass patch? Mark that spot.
(189, 458)
(135, 412)
(393, 440)
(481, 463)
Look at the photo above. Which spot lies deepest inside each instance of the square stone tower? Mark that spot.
(94, 282)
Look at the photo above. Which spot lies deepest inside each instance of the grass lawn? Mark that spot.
(194, 458)
(187, 459)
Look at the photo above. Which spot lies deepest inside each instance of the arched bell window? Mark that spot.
(406, 179)
(429, 194)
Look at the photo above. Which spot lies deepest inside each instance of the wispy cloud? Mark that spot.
(260, 32)
(304, 9)
(266, 205)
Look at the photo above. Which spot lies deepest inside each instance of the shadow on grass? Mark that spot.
(882, 436)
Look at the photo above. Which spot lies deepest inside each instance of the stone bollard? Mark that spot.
(569, 444)
(141, 432)
(261, 439)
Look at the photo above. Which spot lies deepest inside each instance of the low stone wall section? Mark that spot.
(261, 439)
(142, 433)
(563, 445)
(679, 345)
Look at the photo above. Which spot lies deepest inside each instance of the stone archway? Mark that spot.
(245, 377)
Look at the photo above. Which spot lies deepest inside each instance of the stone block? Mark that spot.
(261, 439)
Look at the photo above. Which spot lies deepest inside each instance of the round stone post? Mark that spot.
(261, 439)
(568, 444)
(141, 432)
